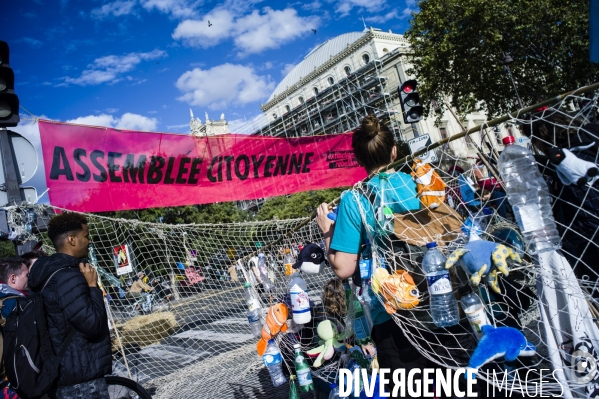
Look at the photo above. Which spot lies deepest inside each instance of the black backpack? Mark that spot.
(31, 366)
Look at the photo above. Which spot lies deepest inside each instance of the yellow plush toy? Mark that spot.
(430, 187)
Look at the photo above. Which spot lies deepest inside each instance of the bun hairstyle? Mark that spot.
(372, 143)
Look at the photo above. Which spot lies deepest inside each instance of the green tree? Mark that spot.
(7, 248)
(459, 45)
(296, 205)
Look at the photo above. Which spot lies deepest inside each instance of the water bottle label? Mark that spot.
(477, 319)
(365, 268)
(253, 318)
(300, 302)
(253, 304)
(304, 377)
(530, 218)
(272, 360)
(360, 328)
(439, 283)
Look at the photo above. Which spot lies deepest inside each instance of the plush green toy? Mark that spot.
(483, 258)
(328, 335)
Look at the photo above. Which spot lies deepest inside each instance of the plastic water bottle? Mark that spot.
(302, 369)
(300, 302)
(444, 307)
(266, 283)
(366, 302)
(528, 194)
(365, 263)
(361, 329)
(254, 311)
(288, 262)
(474, 309)
(334, 392)
(274, 363)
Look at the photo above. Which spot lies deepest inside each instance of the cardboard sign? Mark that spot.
(420, 142)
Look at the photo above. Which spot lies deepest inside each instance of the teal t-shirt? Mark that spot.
(350, 233)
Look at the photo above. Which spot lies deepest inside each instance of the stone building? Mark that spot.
(210, 127)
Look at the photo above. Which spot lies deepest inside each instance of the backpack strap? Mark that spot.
(73, 331)
(67, 341)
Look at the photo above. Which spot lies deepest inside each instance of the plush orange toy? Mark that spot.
(275, 322)
(398, 289)
(431, 188)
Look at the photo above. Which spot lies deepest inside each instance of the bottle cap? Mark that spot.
(508, 140)
(287, 250)
(247, 285)
(271, 341)
(431, 245)
(261, 255)
(297, 346)
(465, 290)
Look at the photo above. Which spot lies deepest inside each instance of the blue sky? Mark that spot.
(141, 64)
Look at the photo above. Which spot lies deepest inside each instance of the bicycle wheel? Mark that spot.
(124, 388)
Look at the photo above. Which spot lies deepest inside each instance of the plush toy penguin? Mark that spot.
(483, 258)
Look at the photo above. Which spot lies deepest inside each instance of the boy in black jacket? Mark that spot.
(72, 300)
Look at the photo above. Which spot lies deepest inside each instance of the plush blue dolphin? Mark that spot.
(496, 342)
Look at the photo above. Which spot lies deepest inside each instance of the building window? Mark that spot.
(301, 100)
(365, 58)
(287, 108)
(315, 90)
(347, 70)
(274, 116)
(443, 132)
(331, 80)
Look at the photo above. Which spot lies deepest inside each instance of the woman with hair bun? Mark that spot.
(374, 148)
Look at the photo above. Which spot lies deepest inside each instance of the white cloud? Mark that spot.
(197, 33)
(223, 84)
(117, 9)
(384, 18)
(287, 68)
(176, 8)
(345, 6)
(127, 121)
(252, 33)
(109, 69)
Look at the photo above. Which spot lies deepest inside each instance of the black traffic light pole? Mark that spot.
(9, 117)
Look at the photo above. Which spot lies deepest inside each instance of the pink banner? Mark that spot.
(97, 169)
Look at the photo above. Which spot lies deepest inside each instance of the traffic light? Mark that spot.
(410, 102)
(9, 102)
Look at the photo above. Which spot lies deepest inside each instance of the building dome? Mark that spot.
(315, 58)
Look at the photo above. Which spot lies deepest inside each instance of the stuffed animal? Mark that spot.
(398, 289)
(571, 169)
(328, 335)
(496, 342)
(483, 258)
(430, 187)
(275, 322)
(311, 259)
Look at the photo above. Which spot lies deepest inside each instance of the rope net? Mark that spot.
(190, 335)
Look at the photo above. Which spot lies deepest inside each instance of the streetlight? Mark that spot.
(507, 60)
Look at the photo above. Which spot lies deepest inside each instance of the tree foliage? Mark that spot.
(459, 45)
(296, 205)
